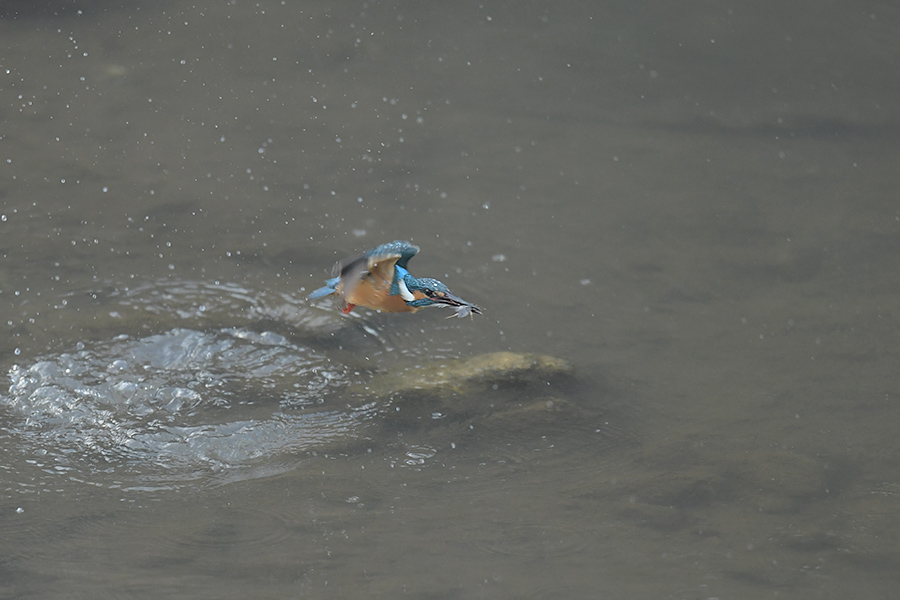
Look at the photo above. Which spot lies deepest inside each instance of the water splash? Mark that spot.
(176, 404)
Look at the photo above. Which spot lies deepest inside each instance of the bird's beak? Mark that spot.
(463, 308)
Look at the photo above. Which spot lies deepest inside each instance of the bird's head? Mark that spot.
(420, 292)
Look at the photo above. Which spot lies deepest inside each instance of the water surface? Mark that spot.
(694, 204)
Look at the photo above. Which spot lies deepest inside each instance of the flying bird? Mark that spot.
(378, 279)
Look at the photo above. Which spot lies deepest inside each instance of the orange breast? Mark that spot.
(373, 293)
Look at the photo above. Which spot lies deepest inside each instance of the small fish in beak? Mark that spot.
(462, 308)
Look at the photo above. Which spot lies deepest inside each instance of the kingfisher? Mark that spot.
(378, 279)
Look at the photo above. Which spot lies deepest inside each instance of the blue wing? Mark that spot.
(402, 251)
(376, 264)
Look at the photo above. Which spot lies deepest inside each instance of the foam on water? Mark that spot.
(176, 404)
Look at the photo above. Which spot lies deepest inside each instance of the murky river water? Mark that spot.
(694, 205)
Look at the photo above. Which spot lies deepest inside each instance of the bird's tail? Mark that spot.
(330, 288)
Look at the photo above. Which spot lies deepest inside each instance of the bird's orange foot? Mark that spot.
(347, 308)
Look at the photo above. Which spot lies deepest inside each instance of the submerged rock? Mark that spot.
(502, 386)
(470, 375)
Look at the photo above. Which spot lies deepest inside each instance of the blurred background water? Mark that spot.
(695, 204)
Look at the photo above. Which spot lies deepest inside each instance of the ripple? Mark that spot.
(532, 539)
(175, 405)
(171, 303)
(234, 528)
